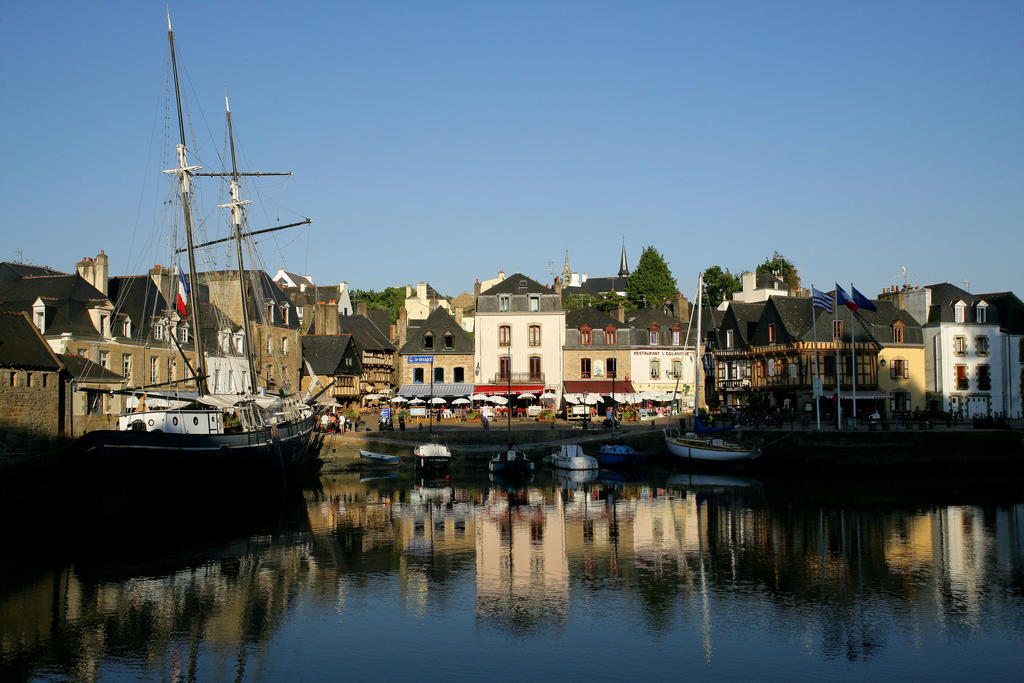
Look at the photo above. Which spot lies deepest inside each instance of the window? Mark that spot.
(585, 336)
(284, 312)
(900, 402)
(981, 345)
(609, 337)
(898, 369)
(126, 328)
(270, 370)
(270, 345)
(40, 317)
(216, 380)
(428, 341)
(534, 335)
(104, 362)
(449, 340)
(771, 333)
(897, 333)
(677, 368)
(610, 367)
(585, 368)
(677, 337)
(93, 403)
(958, 312)
(729, 339)
(14, 379)
(655, 369)
(183, 334)
(984, 378)
(126, 366)
(534, 302)
(417, 375)
(522, 284)
(535, 368)
(458, 375)
(270, 312)
(504, 367)
(154, 369)
(959, 345)
(439, 375)
(104, 326)
(28, 379)
(962, 383)
(837, 329)
(654, 335)
(158, 332)
(504, 302)
(981, 313)
(46, 377)
(504, 336)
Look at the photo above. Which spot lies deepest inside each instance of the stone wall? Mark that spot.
(30, 405)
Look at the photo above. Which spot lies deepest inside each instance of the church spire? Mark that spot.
(623, 268)
(566, 271)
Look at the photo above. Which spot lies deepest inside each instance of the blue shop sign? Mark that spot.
(421, 359)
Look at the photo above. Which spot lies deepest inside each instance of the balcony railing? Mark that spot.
(518, 378)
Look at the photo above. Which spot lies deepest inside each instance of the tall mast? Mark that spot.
(696, 379)
(184, 173)
(237, 217)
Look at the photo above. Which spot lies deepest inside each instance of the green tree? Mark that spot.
(784, 267)
(390, 299)
(651, 282)
(719, 284)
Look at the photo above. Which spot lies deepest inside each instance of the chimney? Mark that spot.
(403, 326)
(682, 308)
(476, 288)
(620, 313)
(408, 291)
(325, 318)
(558, 286)
(421, 291)
(361, 308)
(163, 279)
(102, 273)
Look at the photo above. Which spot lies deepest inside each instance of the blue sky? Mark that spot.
(443, 141)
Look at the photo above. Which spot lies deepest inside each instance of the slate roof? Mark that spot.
(138, 298)
(599, 285)
(68, 298)
(645, 318)
(588, 315)
(11, 270)
(511, 285)
(21, 346)
(84, 370)
(431, 292)
(366, 335)
(438, 323)
(299, 279)
(793, 317)
(1010, 308)
(325, 352)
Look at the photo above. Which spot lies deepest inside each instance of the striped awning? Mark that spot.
(435, 389)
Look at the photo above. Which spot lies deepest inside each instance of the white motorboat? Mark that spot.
(433, 455)
(570, 456)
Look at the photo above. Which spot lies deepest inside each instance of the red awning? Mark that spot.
(598, 386)
(503, 389)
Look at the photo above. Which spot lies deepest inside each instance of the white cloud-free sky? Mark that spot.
(442, 141)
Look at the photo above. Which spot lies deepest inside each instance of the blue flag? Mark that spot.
(861, 301)
(821, 300)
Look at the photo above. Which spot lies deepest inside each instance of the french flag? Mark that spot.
(854, 302)
(183, 291)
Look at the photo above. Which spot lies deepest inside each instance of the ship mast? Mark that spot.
(184, 173)
(237, 216)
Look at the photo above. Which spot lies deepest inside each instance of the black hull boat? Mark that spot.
(281, 450)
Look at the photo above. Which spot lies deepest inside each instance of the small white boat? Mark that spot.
(570, 456)
(379, 458)
(709, 448)
(433, 455)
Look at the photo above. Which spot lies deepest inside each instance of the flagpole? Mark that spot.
(853, 360)
(817, 377)
(836, 339)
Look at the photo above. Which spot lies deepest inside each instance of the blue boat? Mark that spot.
(620, 455)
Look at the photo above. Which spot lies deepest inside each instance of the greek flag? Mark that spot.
(385, 413)
(821, 300)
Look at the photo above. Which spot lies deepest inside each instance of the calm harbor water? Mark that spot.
(661, 574)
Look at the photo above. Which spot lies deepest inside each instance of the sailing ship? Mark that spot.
(702, 443)
(199, 433)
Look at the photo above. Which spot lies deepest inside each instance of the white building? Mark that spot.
(520, 331)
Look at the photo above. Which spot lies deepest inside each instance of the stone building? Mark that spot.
(332, 365)
(32, 385)
(597, 354)
(436, 358)
(89, 395)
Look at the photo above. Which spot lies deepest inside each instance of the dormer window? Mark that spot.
(981, 313)
(654, 334)
(104, 326)
(677, 337)
(183, 334)
(126, 328)
(270, 312)
(771, 333)
(897, 333)
(39, 315)
(448, 340)
(504, 302)
(534, 302)
(428, 341)
(585, 336)
(522, 284)
(958, 311)
(609, 336)
(284, 311)
(729, 339)
(239, 340)
(158, 331)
